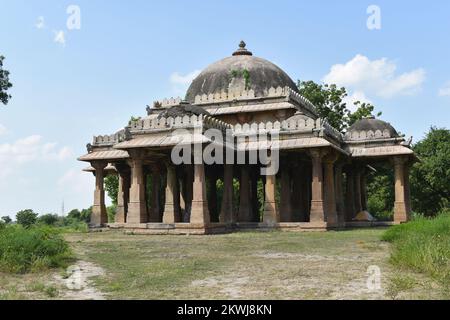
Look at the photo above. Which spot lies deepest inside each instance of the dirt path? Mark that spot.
(77, 284)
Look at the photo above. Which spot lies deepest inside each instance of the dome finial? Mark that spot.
(242, 51)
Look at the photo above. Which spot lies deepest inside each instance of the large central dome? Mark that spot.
(241, 71)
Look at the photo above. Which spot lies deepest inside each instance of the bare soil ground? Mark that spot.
(246, 265)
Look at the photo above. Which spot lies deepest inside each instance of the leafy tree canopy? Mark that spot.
(430, 178)
(4, 83)
(329, 101)
(26, 218)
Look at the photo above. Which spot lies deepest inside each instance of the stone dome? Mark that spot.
(241, 71)
(372, 124)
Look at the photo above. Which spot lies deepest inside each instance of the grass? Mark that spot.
(422, 245)
(35, 249)
(246, 265)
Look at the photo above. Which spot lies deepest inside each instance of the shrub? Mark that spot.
(7, 219)
(32, 249)
(48, 219)
(26, 218)
(422, 245)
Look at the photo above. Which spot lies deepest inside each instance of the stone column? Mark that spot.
(254, 194)
(401, 205)
(271, 214)
(212, 201)
(189, 177)
(172, 206)
(99, 216)
(407, 188)
(285, 195)
(298, 195)
(155, 213)
(123, 194)
(317, 206)
(340, 207)
(137, 207)
(350, 195)
(245, 207)
(199, 211)
(226, 212)
(363, 190)
(330, 191)
(357, 187)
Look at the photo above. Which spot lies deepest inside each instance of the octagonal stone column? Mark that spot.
(155, 212)
(402, 207)
(226, 211)
(329, 190)
(137, 207)
(340, 207)
(357, 188)
(245, 206)
(285, 195)
(350, 195)
(271, 214)
(99, 216)
(172, 206)
(199, 210)
(123, 193)
(317, 206)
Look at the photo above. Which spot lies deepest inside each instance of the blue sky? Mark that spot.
(72, 84)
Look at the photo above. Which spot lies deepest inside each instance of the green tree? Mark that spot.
(74, 214)
(7, 219)
(4, 83)
(430, 177)
(328, 100)
(85, 215)
(363, 110)
(112, 187)
(330, 105)
(48, 219)
(26, 218)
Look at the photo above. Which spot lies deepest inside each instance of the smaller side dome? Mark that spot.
(370, 128)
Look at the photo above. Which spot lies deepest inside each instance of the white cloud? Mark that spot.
(29, 149)
(40, 24)
(3, 130)
(354, 97)
(181, 82)
(60, 37)
(445, 90)
(376, 77)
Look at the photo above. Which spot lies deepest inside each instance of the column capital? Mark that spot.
(330, 158)
(99, 165)
(317, 153)
(399, 160)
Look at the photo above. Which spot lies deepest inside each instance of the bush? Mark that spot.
(32, 249)
(7, 219)
(48, 219)
(26, 218)
(422, 245)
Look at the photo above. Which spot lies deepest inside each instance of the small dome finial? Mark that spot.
(242, 51)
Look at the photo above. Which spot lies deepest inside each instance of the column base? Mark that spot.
(271, 215)
(99, 215)
(170, 216)
(199, 212)
(137, 212)
(401, 212)
(317, 211)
